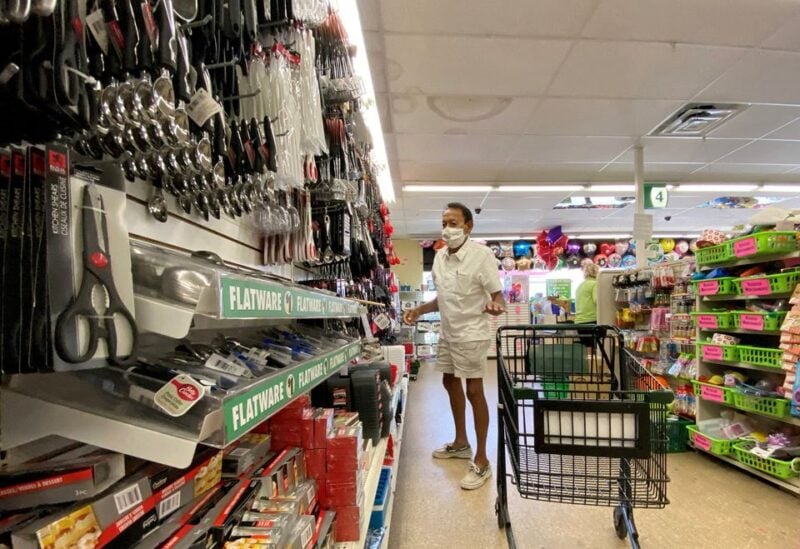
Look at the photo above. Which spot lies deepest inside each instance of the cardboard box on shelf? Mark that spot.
(345, 448)
(347, 526)
(243, 454)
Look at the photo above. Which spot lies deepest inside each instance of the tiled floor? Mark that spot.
(712, 505)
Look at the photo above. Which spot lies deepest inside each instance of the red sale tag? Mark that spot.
(744, 248)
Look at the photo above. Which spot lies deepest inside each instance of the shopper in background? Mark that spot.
(468, 290)
(586, 295)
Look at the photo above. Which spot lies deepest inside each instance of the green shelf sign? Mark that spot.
(656, 196)
(246, 410)
(247, 298)
(561, 287)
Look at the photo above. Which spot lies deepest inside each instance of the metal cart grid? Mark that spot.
(580, 426)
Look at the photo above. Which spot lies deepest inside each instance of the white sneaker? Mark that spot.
(448, 451)
(476, 477)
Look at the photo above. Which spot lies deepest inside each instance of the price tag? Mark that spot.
(707, 321)
(752, 322)
(382, 321)
(744, 248)
(711, 352)
(714, 394)
(708, 287)
(97, 26)
(179, 395)
(227, 365)
(202, 107)
(257, 355)
(756, 286)
(702, 442)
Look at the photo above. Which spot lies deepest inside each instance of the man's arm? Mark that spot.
(410, 317)
(497, 305)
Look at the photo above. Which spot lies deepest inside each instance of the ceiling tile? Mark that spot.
(767, 151)
(655, 169)
(722, 22)
(434, 65)
(761, 76)
(373, 41)
(787, 37)
(790, 131)
(369, 13)
(599, 117)
(640, 70)
(382, 102)
(533, 149)
(679, 149)
(723, 169)
(448, 172)
(460, 114)
(474, 149)
(488, 17)
(757, 121)
(377, 69)
(521, 171)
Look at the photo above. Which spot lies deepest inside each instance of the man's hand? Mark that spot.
(494, 308)
(410, 317)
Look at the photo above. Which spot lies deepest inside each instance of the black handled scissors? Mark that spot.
(97, 272)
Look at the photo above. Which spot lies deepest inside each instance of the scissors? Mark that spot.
(97, 272)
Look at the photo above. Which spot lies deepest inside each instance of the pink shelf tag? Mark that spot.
(708, 287)
(715, 394)
(744, 248)
(707, 321)
(756, 286)
(752, 322)
(711, 352)
(702, 442)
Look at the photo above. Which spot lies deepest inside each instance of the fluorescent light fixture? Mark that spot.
(780, 188)
(348, 13)
(601, 236)
(538, 188)
(492, 237)
(674, 235)
(716, 188)
(613, 188)
(447, 188)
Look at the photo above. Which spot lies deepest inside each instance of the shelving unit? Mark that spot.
(707, 409)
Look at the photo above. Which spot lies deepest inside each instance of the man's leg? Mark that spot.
(480, 410)
(458, 406)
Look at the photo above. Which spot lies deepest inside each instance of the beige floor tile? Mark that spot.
(713, 506)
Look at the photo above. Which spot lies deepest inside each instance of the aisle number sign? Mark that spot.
(656, 196)
(246, 410)
(561, 287)
(250, 298)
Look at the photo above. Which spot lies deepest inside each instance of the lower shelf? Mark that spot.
(791, 485)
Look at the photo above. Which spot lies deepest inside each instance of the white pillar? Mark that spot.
(638, 166)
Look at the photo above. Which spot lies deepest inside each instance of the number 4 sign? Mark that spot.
(656, 196)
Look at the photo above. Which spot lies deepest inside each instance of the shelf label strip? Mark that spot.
(245, 411)
(242, 298)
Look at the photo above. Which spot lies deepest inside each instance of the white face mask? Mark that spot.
(453, 237)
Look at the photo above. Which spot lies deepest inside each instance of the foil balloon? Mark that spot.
(681, 246)
(573, 248)
(601, 260)
(693, 246)
(672, 256)
(667, 244)
(521, 248)
(555, 235)
(654, 252)
(508, 264)
(498, 252)
(621, 247)
(606, 249)
(427, 243)
(539, 264)
(524, 263)
(573, 261)
(508, 249)
(614, 260)
(589, 249)
(628, 261)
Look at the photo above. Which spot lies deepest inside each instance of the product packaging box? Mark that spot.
(78, 472)
(316, 463)
(305, 494)
(228, 512)
(347, 526)
(323, 425)
(245, 453)
(323, 534)
(345, 448)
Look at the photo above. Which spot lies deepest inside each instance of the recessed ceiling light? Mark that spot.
(447, 188)
(538, 188)
(715, 188)
(780, 188)
(612, 188)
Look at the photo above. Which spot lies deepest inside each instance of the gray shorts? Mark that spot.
(466, 359)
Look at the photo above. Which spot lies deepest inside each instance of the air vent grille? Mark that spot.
(697, 119)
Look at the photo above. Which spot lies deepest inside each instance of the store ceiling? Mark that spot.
(522, 91)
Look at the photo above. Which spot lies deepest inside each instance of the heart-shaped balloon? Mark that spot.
(589, 249)
(607, 249)
(621, 247)
(573, 248)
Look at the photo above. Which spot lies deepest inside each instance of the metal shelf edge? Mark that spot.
(751, 260)
(793, 487)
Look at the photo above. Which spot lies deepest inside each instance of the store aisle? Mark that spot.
(712, 506)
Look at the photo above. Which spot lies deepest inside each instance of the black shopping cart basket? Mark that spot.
(582, 422)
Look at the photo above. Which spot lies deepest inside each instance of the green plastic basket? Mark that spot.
(768, 406)
(775, 467)
(761, 356)
(766, 242)
(758, 322)
(714, 254)
(712, 351)
(782, 283)
(713, 321)
(718, 446)
(677, 436)
(716, 286)
(713, 393)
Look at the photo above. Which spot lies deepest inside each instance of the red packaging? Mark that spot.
(338, 494)
(322, 494)
(347, 525)
(294, 410)
(345, 449)
(316, 464)
(282, 439)
(323, 424)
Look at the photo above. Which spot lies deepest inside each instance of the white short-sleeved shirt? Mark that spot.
(464, 282)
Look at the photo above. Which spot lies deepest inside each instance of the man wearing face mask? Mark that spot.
(468, 290)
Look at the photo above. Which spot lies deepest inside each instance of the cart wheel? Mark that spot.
(502, 521)
(619, 523)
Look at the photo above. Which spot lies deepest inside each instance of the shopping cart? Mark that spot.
(582, 423)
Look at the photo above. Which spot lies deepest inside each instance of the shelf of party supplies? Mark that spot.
(791, 485)
(370, 489)
(741, 331)
(746, 297)
(760, 258)
(115, 409)
(172, 288)
(785, 419)
(746, 366)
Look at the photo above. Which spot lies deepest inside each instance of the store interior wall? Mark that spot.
(410, 269)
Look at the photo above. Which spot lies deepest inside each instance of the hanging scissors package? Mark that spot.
(88, 266)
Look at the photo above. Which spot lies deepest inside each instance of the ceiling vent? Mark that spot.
(697, 119)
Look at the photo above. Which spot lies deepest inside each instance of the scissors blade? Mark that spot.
(95, 230)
